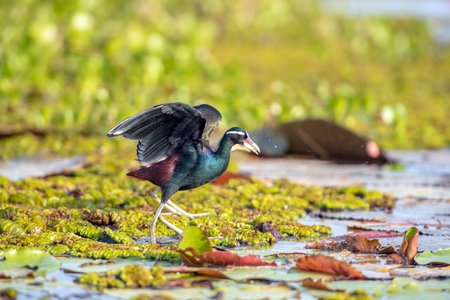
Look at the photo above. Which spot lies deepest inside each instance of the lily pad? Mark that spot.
(28, 258)
(194, 238)
(439, 256)
(271, 274)
(400, 288)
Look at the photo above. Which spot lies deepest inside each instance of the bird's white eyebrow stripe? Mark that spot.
(236, 132)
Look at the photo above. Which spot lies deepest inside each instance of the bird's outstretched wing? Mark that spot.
(162, 129)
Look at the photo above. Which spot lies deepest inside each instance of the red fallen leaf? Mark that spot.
(226, 258)
(225, 177)
(221, 258)
(3, 276)
(354, 243)
(374, 234)
(328, 265)
(190, 256)
(326, 246)
(357, 243)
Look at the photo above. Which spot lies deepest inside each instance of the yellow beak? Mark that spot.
(248, 145)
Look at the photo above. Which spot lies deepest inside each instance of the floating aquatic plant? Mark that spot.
(129, 276)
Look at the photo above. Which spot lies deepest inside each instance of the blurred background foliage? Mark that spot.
(79, 67)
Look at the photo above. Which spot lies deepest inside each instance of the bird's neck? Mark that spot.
(224, 150)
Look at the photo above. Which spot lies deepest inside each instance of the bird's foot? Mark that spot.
(193, 216)
(181, 212)
(175, 209)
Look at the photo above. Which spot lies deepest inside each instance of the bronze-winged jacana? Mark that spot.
(174, 141)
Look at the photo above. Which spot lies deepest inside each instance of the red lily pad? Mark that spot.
(221, 258)
(354, 243)
(328, 265)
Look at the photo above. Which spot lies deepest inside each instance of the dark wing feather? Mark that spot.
(161, 130)
(212, 117)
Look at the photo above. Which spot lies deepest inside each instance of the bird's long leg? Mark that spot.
(185, 213)
(152, 225)
(157, 216)
(175, 208)
(168, 206)
(165, 195)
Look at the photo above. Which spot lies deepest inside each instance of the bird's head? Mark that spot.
(241, 140)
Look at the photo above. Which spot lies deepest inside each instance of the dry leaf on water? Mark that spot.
(195, 250)
(397, 259)
(329, 265)
(326, 246)
(221, 258)
(409, 244)
(408, 249)
(354, 243)
(357, 243)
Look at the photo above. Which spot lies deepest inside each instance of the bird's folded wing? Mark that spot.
(212, 117)
(162, 129)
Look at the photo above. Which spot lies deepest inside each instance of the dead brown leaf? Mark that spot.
(328, 265)
(357, 243)
(408, 248)
(326, 246)
(409, 244)
(397, 258)
(353, 243)
(221, 258)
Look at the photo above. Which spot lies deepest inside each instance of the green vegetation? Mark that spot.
(79, 67)
(97, 213)
(130, 276)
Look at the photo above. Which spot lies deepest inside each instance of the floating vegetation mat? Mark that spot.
(101, 215)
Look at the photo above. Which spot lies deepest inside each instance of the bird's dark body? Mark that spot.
(192, 167)
(158, 173)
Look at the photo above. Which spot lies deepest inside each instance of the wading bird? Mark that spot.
(174, 144)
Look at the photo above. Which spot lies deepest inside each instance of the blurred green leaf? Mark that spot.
(194, 238)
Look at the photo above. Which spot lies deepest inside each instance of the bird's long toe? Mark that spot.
(171, 226)
(193, 216)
